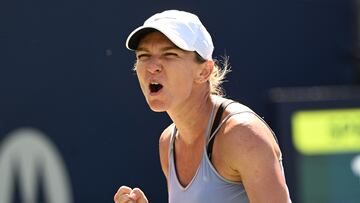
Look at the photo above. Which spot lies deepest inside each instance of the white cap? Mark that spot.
(184, 29)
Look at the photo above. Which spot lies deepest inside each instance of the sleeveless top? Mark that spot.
(207, 185)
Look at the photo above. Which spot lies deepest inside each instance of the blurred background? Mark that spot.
(74, 125)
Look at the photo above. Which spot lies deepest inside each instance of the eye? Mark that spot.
(171, 54)
(142, 56)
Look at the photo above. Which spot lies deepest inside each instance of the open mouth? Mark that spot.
(155, 87)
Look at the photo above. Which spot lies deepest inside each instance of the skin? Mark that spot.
(244, 149)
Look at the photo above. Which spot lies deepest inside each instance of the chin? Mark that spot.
(157, 106)
(158, 110)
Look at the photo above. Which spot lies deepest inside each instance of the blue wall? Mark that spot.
(64, 70)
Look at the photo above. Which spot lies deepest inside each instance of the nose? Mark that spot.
(154, 67)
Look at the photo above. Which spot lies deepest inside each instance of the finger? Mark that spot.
(122, 194)
(124, 190)
(125, 198)
(138, 195)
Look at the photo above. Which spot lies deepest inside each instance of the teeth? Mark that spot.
(155, 83)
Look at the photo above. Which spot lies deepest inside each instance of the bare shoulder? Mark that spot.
(164, 143)
(166, 136)
(238, 107)
(251, 155)
(246, 123)
(248, 137)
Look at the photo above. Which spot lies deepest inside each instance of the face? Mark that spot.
(167, 74)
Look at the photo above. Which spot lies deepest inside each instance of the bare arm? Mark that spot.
(164, 143)
(254, 156)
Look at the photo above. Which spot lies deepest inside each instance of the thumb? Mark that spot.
(139, 196)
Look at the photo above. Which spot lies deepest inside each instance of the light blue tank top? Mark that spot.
(207, 186)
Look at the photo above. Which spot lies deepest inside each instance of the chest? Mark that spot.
(199, 181)
(187, 161)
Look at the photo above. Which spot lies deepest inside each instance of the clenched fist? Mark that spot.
(128, 195)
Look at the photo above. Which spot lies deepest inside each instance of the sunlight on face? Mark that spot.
(165, 72)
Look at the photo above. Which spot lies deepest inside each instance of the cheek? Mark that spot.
(139, 70)
(184, 83)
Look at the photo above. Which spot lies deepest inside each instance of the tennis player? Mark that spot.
(217, 150)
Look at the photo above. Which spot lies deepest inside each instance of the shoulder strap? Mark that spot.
(216, 123)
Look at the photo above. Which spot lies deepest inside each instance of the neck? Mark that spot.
(192, 118)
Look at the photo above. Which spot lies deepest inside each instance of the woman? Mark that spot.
(216, 150)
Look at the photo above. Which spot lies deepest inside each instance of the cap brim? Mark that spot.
(135, 36)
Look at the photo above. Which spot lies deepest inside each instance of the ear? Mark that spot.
(205, 70)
